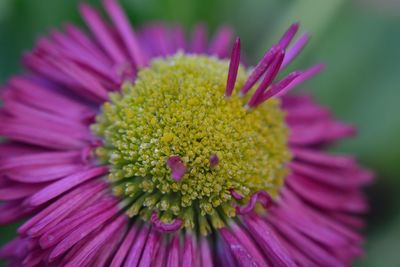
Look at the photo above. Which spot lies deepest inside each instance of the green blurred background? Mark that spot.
(358, 39)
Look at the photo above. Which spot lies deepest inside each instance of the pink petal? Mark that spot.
(61, 186)
(124, 28)
(233, 68)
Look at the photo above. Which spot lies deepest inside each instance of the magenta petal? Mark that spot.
(38, 96)
(205, 252)
(327, 197)
(63, 211)
(233, 68)
(13, 248)
(295, 50)
(160, 259)
(81, 232)
(244, 237)
(199, 39)
(320, 158)
(81, 38)
(71, 49)
(37, 136)
(66, 227)
(173, 255)
(345, 179)
(100, 30)
(320, 132)
(309, 248)
(220, 43)
(40, 174)
(224, 256)
(306, 75)
(125, 30)
(149, 250)
(96, 242)
(278, 87)
(188, 257)
(260, 69)
(34, 257)
(122, 252)
(239, 252)
(102, 256)
(61, 186)
(12, 211)
(18, 111)
(325, 220)
(34, 159)
(288, 35)
(83, 78)
(269, 243)
(18, 191)
(178, 39)
(138, 245)
(61, 207)
(270, 75)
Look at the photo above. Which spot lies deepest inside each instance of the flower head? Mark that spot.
(141, 148)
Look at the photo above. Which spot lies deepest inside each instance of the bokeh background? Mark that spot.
(358, 39)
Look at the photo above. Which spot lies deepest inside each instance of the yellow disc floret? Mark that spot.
(176, 107)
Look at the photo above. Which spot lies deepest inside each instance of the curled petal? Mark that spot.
(165, 227)
(236, 195)
(263, 197)
(177, 166)
(214, 160)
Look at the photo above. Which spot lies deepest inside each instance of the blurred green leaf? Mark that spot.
(4, 9)
(383, 246)
(314, 17)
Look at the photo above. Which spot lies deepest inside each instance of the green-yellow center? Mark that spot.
(177, 107)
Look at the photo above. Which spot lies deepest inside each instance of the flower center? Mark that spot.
(177, 146)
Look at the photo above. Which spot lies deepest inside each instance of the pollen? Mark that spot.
(177, 108)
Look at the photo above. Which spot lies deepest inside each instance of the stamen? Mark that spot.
(263, 197)
(214, 160)
(288, 35)
(233, 68)
(165, 227)
(177, 167)
(268, 79)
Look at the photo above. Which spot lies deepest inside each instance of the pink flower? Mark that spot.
(162, 174)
